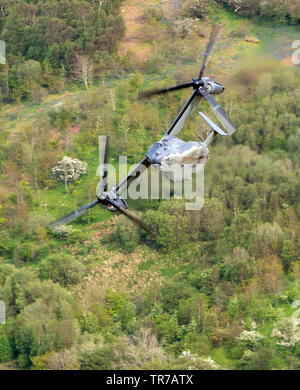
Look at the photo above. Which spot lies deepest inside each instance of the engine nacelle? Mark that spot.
(212, 87)
(171, 154)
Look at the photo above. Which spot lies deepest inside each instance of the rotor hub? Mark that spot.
(112, 201)
(197, 83)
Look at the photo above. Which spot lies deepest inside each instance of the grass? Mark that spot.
(219, 355)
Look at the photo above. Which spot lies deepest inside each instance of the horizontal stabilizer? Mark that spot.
(213, 125)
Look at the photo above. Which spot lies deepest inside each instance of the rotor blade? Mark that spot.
(75, 214)
(213, 125)
(151, 92)
(136, 219)
(209, 48)
(103, 146)
(220, 113)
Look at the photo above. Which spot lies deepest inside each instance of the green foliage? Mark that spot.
(288, 254)
(6, 351)
(237, 266)
(103, 358)
(127, 234)
(268, 236)
(27, 251)
(174, 292)
(45, 325)
(154, 14)
(44, 39)
(199, 9)
(7, 244)
(123, 311)
(90, 323)
(297, 350)
(170, 223)
(167, 328)
(62, 269)
(281, 10)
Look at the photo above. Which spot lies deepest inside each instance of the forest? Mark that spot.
(215, 289)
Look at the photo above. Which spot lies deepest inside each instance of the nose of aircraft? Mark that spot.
(154, 154)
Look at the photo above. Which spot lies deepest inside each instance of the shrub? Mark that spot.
(197, 9)
(182, 27)
(154, 14)
(127, 233)
(63, 269)
(63, 231)
(171, 224)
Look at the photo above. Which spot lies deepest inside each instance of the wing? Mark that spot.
(186, 111)
(133, 175)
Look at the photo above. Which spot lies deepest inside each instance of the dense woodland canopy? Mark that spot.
(283, 10)
(49, 41)
(214, 289)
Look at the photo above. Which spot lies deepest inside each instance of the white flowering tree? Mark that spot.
(68, 170)
(195, 362)
(288, 333)
(250, 339)
(183, 27)
(63, 231)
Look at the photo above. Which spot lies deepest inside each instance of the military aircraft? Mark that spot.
(170, 149)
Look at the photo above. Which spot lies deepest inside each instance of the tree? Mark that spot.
(47, 321)
(127, 233)
(6, 352)
(171, 224)
(68, 170)
(237, 266)
(198, 9)
(288, 333)
(83, 68)
(66, 36)
(265, 357)
(250, 339)
(268, 238)
(4, 82)
(63, 269)
(212, 218)
(289, 254)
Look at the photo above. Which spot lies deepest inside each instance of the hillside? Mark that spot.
(215, 289)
